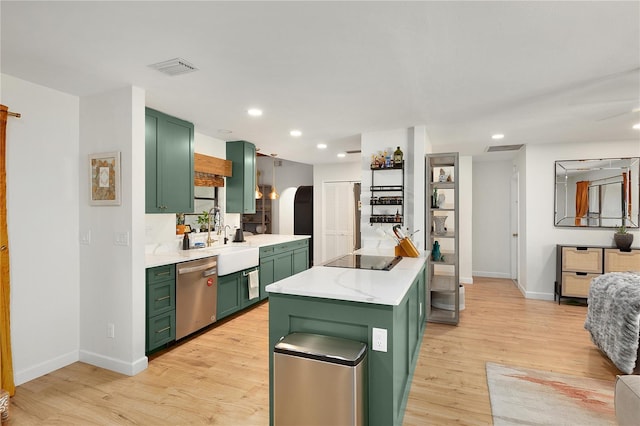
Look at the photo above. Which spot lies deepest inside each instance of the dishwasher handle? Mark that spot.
(209, 272)
(189, 269)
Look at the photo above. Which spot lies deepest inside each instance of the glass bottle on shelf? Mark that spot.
(397, 158)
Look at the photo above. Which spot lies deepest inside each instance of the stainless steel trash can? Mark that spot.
(319, 380)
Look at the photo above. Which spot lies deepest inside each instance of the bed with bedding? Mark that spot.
(613, 318)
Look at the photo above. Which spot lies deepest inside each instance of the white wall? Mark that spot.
(541, 236)
(42, 217)
(491, 218)
(289, 176)
(112, 277)
(465, 218)
(338, 172)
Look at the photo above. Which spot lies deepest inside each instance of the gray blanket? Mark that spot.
(613, 317)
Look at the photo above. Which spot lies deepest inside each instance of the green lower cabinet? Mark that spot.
(280, 261)
(160, 306)
(161, 329)
(300, 260)
(282, 266)
(228, 295)
(267, 269)
(233, 293)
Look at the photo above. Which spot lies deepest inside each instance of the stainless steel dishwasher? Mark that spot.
(196, 295)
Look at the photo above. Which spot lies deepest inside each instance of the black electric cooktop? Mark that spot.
(362, 261)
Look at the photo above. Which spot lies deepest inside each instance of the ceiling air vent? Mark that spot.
(355, 151)
(173, 67)
(501, 148)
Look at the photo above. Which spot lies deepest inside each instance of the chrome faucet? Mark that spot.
(225, 233)
(209, 240)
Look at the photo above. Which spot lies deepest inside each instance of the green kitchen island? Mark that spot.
(350, 303)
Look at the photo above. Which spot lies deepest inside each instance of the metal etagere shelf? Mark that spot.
(387, 196)
(443, 279)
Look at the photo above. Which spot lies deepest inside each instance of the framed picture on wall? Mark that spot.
(104, 176)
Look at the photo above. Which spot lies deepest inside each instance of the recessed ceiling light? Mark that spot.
(341, 155)
(636, 126)
(497, 136)
(321, 146)
(295, 133)
(254, 112)
(224, 131)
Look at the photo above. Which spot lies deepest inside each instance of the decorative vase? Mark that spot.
(435, 253)
(441, 199)
(438, 224)
(623, 241)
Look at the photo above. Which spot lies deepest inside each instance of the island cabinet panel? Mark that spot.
(389, 373)
(169, 170)
(267, 270)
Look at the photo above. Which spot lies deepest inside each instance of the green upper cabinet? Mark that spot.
(169, 163)
(241, 186)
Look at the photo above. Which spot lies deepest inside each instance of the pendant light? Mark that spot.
(258, 193)
(274, 193)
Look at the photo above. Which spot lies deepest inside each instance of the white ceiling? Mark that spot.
(539, 72)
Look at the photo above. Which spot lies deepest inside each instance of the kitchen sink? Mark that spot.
(235, 258)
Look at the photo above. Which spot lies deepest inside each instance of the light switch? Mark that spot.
(85, 237)
(121, 238)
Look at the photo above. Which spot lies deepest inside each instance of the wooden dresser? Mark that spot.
(576, 266)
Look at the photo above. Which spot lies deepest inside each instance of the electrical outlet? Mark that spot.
(85, 237)
(379, 338)
(111, 331)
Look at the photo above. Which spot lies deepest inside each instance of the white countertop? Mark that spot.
(357, 285)
(165, 254)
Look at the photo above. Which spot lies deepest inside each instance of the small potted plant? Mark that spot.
(180, 227)
(203, 220)
(623, 239)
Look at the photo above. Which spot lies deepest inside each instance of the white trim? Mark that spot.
(119, 366)
(46, 367)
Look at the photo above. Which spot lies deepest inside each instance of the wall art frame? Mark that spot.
(104, 179)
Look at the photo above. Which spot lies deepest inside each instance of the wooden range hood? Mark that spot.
(210, 171)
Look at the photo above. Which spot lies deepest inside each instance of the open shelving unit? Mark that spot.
(385, 198)
(443, 280)
(261, 219)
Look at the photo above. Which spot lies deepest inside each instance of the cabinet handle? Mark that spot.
(582, 248)
(162, 274)
(163, 330)
(163, 298)
(246, 274)
(581, 273)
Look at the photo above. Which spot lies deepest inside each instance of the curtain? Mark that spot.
(582, 200)
(6, 363)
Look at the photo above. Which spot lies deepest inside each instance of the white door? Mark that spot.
(515, 225)
(338, 213)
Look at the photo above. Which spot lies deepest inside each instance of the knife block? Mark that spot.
(406, 249)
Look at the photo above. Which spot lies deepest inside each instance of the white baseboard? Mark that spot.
(486, 274)
(119, 366)
(466, 280)
(23, 376)
(537, 295)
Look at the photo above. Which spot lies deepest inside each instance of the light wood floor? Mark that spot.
(221, 376)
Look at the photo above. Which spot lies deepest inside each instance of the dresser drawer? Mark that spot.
(621, 261)
(577, 260)
(574, 285)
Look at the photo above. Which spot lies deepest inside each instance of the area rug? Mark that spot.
(521, 396)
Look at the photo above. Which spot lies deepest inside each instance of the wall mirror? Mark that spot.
(600, 193)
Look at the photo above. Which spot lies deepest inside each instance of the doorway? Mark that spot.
(515, 227)
(338, 219)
